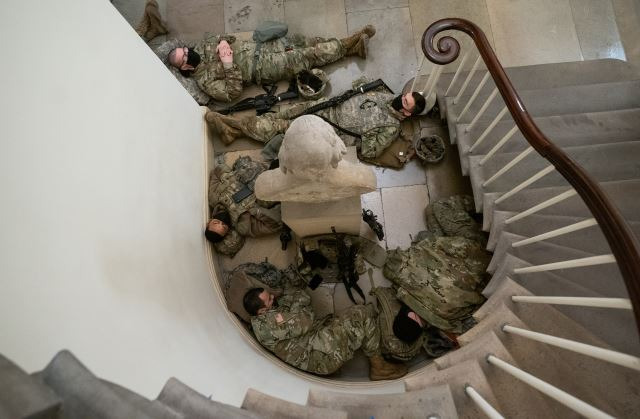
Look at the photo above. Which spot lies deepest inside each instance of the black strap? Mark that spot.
(338, 127)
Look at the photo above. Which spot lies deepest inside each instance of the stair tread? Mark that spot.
(421, 403)
(269, 407)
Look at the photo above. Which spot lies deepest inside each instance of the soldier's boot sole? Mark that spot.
(349, 43)
(151, 24)
(228, 134)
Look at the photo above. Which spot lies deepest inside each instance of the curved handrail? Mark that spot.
(615, 229)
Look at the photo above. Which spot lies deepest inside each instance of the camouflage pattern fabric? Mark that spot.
(440, 279)
(451, 217)
(319, 346)
(369, 114)
(390, 345)
(327, 246)
(248, 217)
(279, 59)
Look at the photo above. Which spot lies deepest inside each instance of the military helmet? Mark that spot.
(309, 87)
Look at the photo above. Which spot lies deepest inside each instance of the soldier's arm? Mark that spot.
(376, 140)
(222, 84)
(215, 178)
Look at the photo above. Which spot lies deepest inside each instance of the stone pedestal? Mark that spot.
(309, 219)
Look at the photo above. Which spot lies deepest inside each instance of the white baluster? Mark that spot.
(481, 112)
(467, 80)
(508, 166)
(486, 408)
(457, 73)
(557, 232)
(565, 264)
(497, 147)
(433, 85)
(563, 397)
(549, 202)
(474, 95)
(607, 355)
(415, 78)
(617, 303)
(542, 173)
(488, 129)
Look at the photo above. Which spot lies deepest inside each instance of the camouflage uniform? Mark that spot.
(369, 114)
(319, 346)
(440, 279)
(451, 217)
(249, 217)
(279, 59)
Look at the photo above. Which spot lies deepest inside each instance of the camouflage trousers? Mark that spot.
(337, 340)
(259, 221)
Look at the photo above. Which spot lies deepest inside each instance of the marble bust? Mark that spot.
(312, 168)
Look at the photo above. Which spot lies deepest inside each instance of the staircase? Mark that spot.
(589, 109)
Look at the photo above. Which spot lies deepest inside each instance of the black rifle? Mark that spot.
(264, 102)
(370, 218)
(336, 100)
(346, 266)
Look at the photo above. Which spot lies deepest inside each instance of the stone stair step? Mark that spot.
(577, 374)
(590, 239)
(547, 75)
(84, 394)
(603, 162)
(435, 400)
(269, 407)
(185, 400)
(618, 192)
(153, 408)
(552, 101)
(564, 130)
(25, 396)
(515, 398)
(458, 376)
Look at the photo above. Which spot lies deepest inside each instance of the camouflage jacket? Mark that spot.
(440, 279)
(291, 339)
(452, 217)
(224, 182)
(280, 59)
(369, 114)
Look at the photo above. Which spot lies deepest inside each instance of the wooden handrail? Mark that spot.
(617, 232)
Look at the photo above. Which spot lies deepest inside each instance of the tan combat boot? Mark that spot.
(379, 369)
(151, 24)
(356, 44)
(224, 126)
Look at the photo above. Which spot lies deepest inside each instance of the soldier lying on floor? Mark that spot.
(236, 212)
(374, 116)
(287, 327)
(441, 276)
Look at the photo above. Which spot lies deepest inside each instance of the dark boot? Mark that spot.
(224, 125)
(379, 369)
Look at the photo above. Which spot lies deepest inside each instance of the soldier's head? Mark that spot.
(411, 103)
(257, 301)
(218, 227)
(184, 59)
(407, 326)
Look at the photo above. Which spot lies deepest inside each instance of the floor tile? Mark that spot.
(259, 249)
(391, 54)
(316, 18)
(424, 13)
(360, 5)
(404, 213)
(245, 15)
(597, 30)
(411, 174)
(189, 20)
(533, 32)
(373, 202)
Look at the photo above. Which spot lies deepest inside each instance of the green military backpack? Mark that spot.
(388, 308)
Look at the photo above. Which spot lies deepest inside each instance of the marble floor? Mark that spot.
(522, 32)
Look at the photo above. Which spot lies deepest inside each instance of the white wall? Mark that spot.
(102, 187)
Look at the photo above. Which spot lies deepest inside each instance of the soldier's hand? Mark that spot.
(279, 318)
(225, 52)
